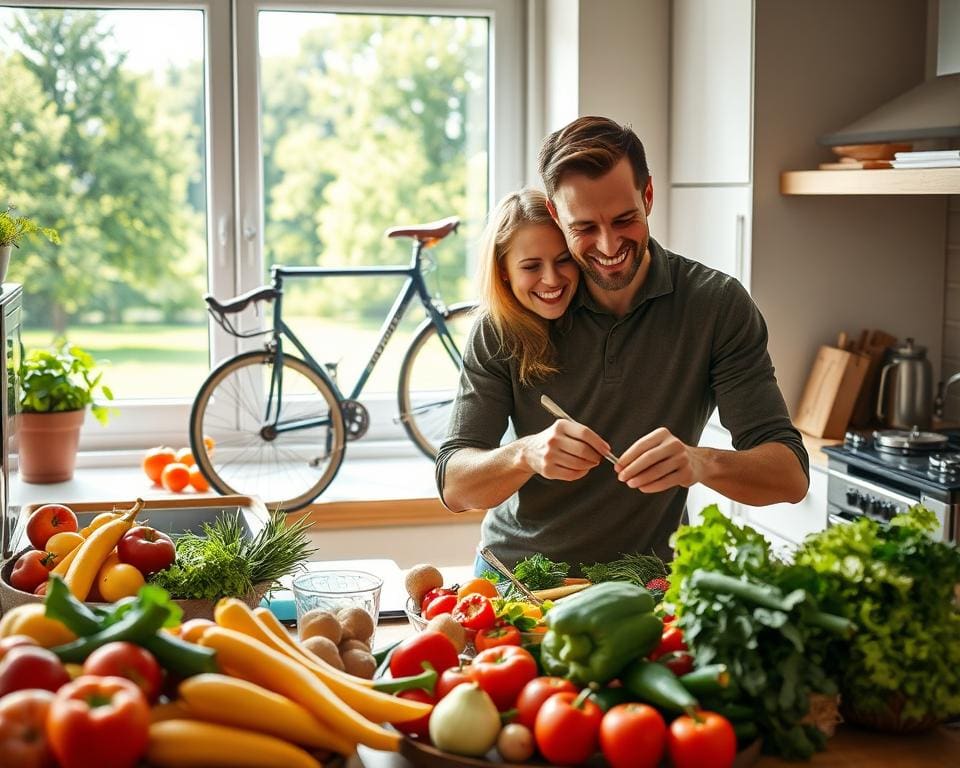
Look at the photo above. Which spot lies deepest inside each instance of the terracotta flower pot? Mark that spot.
(48, 445)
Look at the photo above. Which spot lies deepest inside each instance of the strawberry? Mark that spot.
(658, 585)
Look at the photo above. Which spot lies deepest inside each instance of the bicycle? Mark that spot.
(280, 423)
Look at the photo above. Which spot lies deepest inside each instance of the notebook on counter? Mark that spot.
(393, 595)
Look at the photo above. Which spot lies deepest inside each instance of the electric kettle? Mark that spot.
(905, 397)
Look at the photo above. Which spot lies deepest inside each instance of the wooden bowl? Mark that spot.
(871, 151)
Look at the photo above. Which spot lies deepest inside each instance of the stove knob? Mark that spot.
(853, 497)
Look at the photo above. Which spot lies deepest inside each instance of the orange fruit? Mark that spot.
(175, 476)
(198, 481)
(479, 586)
(155, 460)
(185, 456)
(118, 581)
(209, 442)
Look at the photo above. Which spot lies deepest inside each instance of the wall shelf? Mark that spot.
(893, 181)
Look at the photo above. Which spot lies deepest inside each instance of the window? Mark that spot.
(164, 185)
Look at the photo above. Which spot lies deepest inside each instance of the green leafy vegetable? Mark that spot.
(635, 568)
(540, 572)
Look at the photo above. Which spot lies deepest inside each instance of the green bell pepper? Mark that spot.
(594, 634)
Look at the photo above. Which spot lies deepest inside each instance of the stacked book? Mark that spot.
(940, 158)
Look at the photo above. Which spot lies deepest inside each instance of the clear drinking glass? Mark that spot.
(334, 590)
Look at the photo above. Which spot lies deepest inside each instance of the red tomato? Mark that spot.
(99, 722)
(507, 634)
(146, 549)
(567, 728)
(31, 570)
(536, 692)
(23, 735)
(474, 611)
(31, 667)
(450, 679)
(671, 641)
(704, 741)
(633, 736)
(15, 641)
(435, 592)
(426, 647)
(679, 663)
(123, 659)
(503, 672)
(47, 520)
(440, 604)
(421, 726)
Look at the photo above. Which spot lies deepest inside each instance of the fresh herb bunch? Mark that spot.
(540, 572)
(897, 582)
(636, 568)
(764, 626)
(224, 562)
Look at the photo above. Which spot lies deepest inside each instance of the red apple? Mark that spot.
(146, 549)
(47, 520)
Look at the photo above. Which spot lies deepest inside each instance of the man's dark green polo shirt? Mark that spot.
(692, 340)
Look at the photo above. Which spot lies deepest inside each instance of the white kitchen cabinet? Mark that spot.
(712, 225)
(793, 522)
(699, 496)
(711, 91)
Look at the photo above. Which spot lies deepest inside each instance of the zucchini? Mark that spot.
(709, 680)
(655, 684)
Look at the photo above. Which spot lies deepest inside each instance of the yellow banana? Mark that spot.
(95, 549)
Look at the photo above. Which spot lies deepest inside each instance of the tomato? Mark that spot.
(47, 520)
(427, 647)
(633, 736)
(502, 672)
(127, 660)
(146, 549)
(440, 604)
(679, 663)
(31, 570)
(420, 726)
(474, 611)
(536, 692)
(450, 679)
(567, 728)
(23, 735)
(671, 641)
(31, 667)
(506, 634)
(99, 722)
(16, 641)
(706, 740)
(118, 580)
(62, 544)
(478, 586)
(435, 592)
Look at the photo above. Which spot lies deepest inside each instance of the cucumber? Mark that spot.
(655, 684)
(735, 713)
(746, 732)
(706, 681)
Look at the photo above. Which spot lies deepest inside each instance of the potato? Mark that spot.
(445, 624)
(356, 623)
(353, 644)
(359, 663)
(323, 648)
(320, 623)
(421, 579)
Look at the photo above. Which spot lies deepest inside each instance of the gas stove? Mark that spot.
(883, 473)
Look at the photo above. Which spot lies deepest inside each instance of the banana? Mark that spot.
(90, 555)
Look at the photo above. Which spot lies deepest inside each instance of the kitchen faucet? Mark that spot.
(941, 398)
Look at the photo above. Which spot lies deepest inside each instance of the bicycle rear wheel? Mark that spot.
(254, 455)
(429, 380)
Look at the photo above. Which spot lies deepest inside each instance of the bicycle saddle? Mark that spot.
(435, 230)
(241, 302)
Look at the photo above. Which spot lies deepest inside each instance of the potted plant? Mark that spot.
(13, 229)
(56, 386)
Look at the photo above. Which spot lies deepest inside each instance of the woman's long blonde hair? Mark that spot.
(523, 335)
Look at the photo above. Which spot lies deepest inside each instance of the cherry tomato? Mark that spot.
(567, 728)
(427, 647)
(440, 604)
(450, 679)
(146, 549)
(31, 570)
(679, 663)
(502, 672)
(127, 660)
(421, 726)
(31, 667)
(633, 736)
(23, 735)
(435, 592)
(474, 611)
(704, 741)
(47, 520)
(671, 641)
(506, 634)
(536, 692)
(99, 722)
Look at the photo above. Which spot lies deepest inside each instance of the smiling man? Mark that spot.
(651, 344)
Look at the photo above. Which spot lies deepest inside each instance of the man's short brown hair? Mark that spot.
(591, 146)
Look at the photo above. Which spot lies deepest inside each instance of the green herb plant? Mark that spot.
(64, 377)
(897, 582)
(633, 567)
(14, 228)
(540, 572)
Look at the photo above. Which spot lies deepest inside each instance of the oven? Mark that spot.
(885, 473)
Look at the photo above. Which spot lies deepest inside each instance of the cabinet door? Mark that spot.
(794, 521)
(712, 225)
(710, 91)
(699, 496)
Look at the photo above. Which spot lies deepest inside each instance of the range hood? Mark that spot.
(930, 110)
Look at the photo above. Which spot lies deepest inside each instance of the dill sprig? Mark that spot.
(635, 568)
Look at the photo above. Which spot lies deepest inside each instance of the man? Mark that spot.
(650, 345)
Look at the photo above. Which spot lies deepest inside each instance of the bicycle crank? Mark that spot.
(356, 419)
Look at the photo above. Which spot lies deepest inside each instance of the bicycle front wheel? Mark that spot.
(430, 378)
(279, 437)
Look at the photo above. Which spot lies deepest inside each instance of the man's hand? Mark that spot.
(566, 450)
(658, 461)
